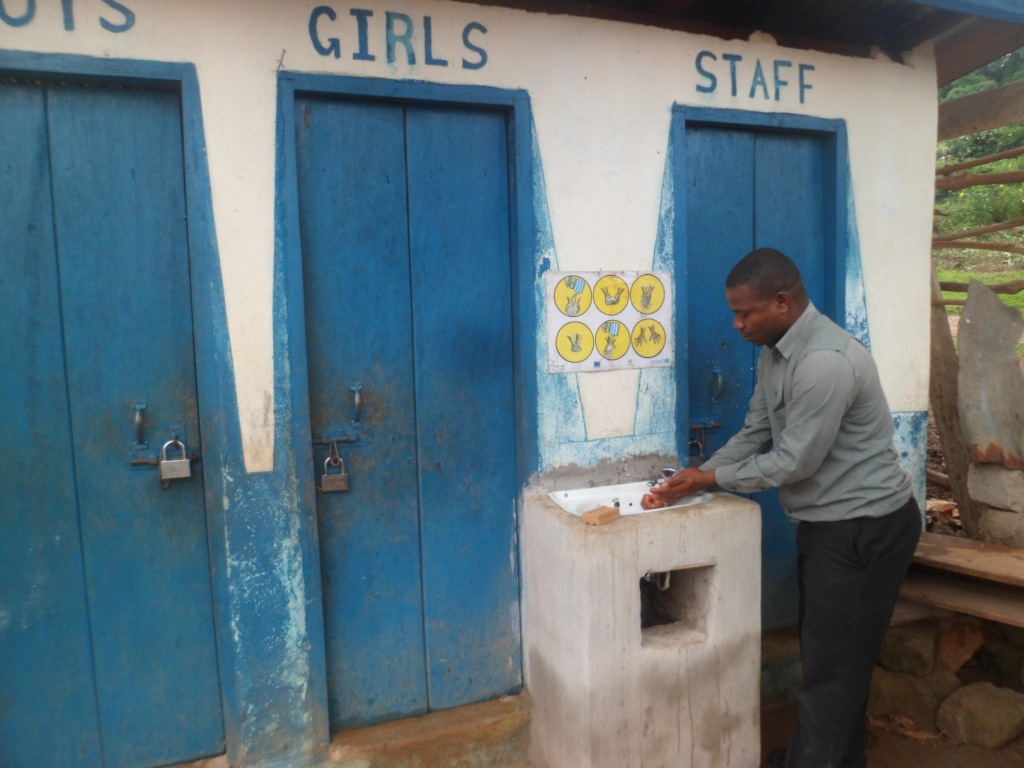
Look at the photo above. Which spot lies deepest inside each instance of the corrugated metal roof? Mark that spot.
(853, 27)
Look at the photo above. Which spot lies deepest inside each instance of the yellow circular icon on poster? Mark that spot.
(611, 294)
(573, 296)
(574, 342)
(649, 338)
(647, 294)
(612, 339)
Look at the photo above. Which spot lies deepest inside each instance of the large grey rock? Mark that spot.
(910, 648)
(991, 389)
(996, 486)
(1001, 526)
(982, 714)
(911, 695)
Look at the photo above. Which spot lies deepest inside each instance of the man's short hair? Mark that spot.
(767, 272)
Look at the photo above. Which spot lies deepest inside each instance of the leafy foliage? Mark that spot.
(1003, 71)
(983, 205)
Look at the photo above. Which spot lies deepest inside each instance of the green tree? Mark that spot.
(983, 205)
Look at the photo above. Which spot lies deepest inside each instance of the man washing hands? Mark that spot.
(820, 430)
(685, 482)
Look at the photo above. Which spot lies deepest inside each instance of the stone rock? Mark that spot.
(982, 714)
(909, 648)
(916, 697)
(997, 486)
(1000, 526)
(958, 642)
(991, 389)
(1003, 660)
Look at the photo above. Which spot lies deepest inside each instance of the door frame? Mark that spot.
(215, 385)
(289, 302)
(840, 225)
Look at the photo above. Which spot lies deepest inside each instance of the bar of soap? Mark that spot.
(601, 515)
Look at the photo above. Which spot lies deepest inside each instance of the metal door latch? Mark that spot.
(699, 438)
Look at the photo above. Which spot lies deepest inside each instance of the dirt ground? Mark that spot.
(889, 750)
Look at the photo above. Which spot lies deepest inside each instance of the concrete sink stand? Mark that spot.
(682, 690)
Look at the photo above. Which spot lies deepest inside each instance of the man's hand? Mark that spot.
(684, 483)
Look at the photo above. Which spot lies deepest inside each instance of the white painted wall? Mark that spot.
(602, 94)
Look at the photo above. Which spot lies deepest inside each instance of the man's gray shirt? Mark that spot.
(819, 428)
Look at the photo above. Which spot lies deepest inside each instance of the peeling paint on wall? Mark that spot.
(560, 410)
(856, 301)
(562, 424)
(911, 440)
(656, 398)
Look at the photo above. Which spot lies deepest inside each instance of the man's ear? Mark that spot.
(783, 302)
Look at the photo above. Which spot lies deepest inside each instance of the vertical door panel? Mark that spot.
(745, 190)
(789, 213)
(458, 193)
(721, 179)
(789, 205)
(352, 192)
(120, 222)
(47, 698)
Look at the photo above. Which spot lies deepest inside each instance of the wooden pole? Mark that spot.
(1000, 227)
(1012, 287)
(965, 180)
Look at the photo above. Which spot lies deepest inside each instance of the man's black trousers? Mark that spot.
(849, 574)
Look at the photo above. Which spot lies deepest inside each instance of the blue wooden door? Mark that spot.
(107, 648)
(407, 284)
(746, 190)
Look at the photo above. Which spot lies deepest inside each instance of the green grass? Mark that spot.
(989, 278)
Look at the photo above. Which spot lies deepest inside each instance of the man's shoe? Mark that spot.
(777, 758)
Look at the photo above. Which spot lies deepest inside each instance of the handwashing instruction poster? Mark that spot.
(604, 321)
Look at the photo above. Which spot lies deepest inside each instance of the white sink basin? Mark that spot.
(625, 496)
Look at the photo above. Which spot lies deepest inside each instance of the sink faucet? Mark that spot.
(666, 473)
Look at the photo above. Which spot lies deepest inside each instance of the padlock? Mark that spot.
(175, 469)
(339, 482)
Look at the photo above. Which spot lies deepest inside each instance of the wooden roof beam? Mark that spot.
(981, 111)
(975, 45)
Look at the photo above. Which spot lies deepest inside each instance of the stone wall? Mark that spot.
(953, 674)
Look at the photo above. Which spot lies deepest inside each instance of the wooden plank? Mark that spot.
(985, 560)
(996, 602)
(981, 111)
(963, 51)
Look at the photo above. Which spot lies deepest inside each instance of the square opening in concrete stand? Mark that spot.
(674, 606)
